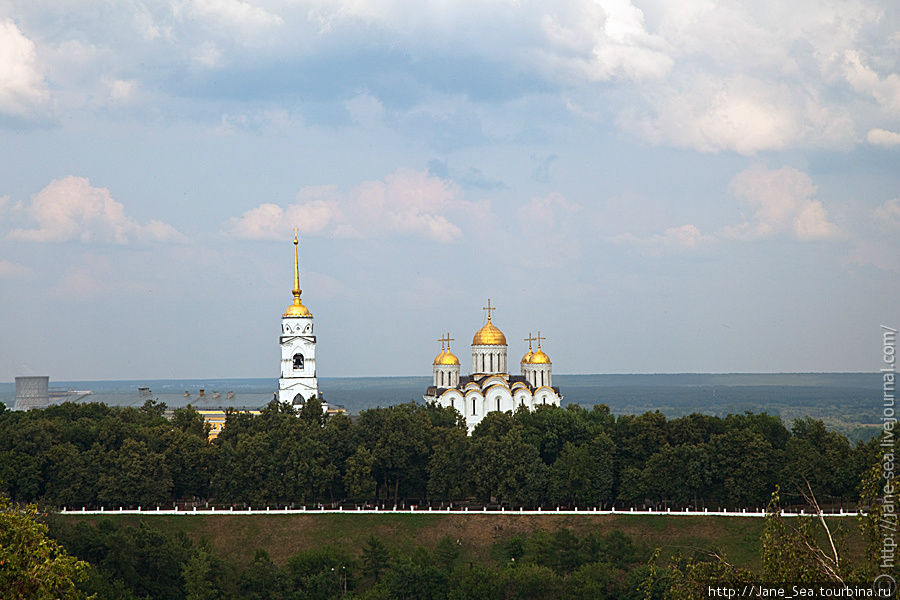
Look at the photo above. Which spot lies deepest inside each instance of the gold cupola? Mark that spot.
(539, 357)
(296, 309)
(445, 357)
(489, 335)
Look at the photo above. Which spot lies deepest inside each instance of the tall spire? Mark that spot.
(296, 309)
(297, 289)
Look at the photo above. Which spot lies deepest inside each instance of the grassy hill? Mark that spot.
(238, 536)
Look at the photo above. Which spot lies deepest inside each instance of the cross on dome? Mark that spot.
(489, 308)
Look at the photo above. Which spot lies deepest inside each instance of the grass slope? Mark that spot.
(238, 536)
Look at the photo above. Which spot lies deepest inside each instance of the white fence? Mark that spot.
(207, 512)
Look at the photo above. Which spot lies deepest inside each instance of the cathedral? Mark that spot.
(490, 387)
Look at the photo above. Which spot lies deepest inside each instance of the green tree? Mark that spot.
(202, 575)
(32, 565)
(262, 579)
(447, 466)
(583, 474)
(358, 479)
(375, 557)
(531, 582)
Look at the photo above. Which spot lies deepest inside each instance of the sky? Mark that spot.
(692, 186)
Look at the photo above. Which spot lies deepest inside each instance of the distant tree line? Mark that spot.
(93, 454)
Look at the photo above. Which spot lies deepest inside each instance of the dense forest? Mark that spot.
(95, 455)
(92, 454)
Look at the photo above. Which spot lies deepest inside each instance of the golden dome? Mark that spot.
(446, 358)
(296, 309)
(489, 335)
(539, 358)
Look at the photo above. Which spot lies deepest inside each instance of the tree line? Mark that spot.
(97, 455)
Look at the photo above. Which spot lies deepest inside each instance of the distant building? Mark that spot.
(216, 419)
(32, 392)
(35, 392)
(298, 382)
(490, 387)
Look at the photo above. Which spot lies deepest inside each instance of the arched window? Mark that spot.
(298, 400)
(298, 361)
(498, 403)
(473, 406)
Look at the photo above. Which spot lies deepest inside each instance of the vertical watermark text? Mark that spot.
(888, 441)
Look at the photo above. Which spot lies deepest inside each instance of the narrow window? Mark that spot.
(473, 406)
(498, 403)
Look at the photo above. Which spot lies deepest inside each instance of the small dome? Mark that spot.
(296, 309)
(527, 357)
(539, 358)
(446, 358)
(489, 335)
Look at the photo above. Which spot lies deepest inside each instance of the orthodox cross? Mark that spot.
(539, 338)
(448, 339)
(530, 339)
(489, 308)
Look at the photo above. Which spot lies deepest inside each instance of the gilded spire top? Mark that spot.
(530, 339)
(489, 308)
(296, 309)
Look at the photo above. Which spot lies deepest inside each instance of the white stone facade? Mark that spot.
(298, 382)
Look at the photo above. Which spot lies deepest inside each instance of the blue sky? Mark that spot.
(657, 187)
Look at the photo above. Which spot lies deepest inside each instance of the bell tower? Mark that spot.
(298, 382)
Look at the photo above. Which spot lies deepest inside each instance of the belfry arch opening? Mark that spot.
(298, 361)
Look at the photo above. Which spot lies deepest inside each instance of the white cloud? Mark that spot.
(11, 270)
(365, 109)
(885, 90)
(72, 209)
(22, 86)
(738, 113)
(883, 137)
(232, 15)
(879, 255)
(684, 237)
(121, 90)
(602, 39)
(889, 212)
(782, 203)
(404, 202)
